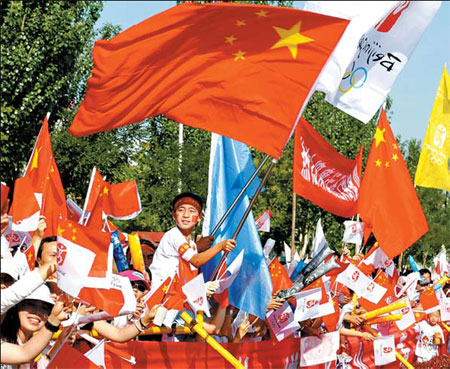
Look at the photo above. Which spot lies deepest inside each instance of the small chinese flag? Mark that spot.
(31, 257)
(44, 177)
(68, 357)
(331, 320)
(279, 276)
(241, 70)
(429, 300)
(388, 202)
(158, 295)
(120, 201)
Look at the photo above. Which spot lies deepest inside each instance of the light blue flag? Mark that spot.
(230, 167)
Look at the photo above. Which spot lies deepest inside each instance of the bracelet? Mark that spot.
(139, 329)
(51, 327)
(142, 324)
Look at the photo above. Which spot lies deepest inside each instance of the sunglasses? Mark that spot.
(139, 286)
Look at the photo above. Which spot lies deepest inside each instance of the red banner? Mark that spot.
(322, 175)
(265, 354)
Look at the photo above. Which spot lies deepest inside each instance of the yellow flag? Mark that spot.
(433, 167)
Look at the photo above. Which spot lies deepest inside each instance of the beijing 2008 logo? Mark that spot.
(283, 318)
(62, 252)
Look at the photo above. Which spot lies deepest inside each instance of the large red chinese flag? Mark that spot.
(324, 176)
(43, 174)
(240, 70)
(388, 202)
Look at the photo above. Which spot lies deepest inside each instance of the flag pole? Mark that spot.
(238, 197)
(294, 211)
(244, 217)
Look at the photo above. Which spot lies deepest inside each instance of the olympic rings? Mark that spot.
(353, 79)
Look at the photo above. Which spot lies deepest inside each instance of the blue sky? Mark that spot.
(413, 92)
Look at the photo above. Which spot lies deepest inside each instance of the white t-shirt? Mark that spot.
(165, 262)
(426, 349)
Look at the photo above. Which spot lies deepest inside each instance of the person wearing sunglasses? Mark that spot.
(140, 288)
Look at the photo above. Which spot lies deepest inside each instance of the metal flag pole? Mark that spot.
(244, 217)
(238, 197)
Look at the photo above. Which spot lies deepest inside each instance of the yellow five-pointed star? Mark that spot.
(240, 23)
(34, 161)
(386, 164)
(105, 190)
(164, 289)
(59, 230)
(230, 39)
(239, 55)
(272, 267)
(395, 146)
(378, 163)
(291, 38)
(29, 257)
(261, 13)
(73, 238)
(379, 136)
(394, 157)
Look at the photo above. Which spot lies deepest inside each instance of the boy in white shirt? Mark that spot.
(430, 337)
(177, 245)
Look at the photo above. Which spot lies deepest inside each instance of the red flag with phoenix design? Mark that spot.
(322, 175)
(241, 70)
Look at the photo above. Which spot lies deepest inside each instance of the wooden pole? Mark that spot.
(400, 261)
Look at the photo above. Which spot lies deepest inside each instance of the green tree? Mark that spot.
(41, 44)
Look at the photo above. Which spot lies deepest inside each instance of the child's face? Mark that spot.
(434, 318)
(186, 216)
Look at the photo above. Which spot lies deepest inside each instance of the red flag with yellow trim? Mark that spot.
(279, 276)
(388, 202)
(241, 70)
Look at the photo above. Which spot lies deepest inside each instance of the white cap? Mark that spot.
(42, 293)
(9, 267)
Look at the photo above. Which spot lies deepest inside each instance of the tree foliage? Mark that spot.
(41, 46)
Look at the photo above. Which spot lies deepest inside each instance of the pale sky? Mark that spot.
(413, 92)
